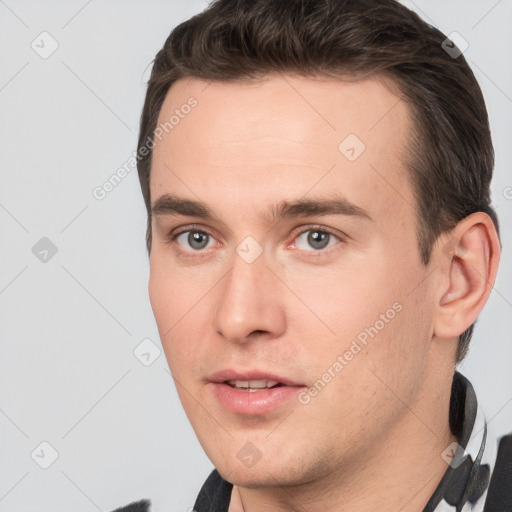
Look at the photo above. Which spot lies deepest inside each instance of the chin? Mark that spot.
(254, 478)
(264, 474)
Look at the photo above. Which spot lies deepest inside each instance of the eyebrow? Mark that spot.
(169, 204)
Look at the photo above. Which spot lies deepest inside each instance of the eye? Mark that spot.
(194, 239)
(316, 239)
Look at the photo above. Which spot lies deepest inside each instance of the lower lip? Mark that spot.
(252, 402)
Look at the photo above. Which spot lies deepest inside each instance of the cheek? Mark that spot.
(180, 310)
(172, 293)
(373, 313)
(345, 302)
(161, 298)
(164, 293)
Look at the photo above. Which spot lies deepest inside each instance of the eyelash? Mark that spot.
(194, 228)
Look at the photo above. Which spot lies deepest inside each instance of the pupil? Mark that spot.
(197, 240)
(318, 239)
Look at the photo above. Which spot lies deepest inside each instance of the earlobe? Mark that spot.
(470, 257)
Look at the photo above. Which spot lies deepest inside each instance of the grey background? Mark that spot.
(70, 325)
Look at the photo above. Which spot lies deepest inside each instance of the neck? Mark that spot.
(400, 474)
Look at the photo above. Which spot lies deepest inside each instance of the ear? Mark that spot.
(468, 257)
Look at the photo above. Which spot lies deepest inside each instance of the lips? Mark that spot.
(252, 392)
(253, 385)
(229, 375)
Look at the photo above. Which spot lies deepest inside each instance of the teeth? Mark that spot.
(253, 384)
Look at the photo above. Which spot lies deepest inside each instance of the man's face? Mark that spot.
(328, 298)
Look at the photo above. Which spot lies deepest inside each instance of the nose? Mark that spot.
(249, 303)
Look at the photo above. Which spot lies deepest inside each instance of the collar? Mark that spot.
(470, 461)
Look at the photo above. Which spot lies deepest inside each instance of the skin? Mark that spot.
(242, 150)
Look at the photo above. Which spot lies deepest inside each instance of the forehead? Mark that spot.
(283, 136)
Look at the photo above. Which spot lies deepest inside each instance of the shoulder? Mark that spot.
(499, 495)
(135, 506)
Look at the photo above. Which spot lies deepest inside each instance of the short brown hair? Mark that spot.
(451, 156)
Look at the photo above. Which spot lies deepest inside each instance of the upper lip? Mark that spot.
(246, 375)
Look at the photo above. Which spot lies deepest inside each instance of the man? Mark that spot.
(321, 240)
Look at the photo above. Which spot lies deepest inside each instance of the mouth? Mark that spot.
(252, 393)
(253, 385)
